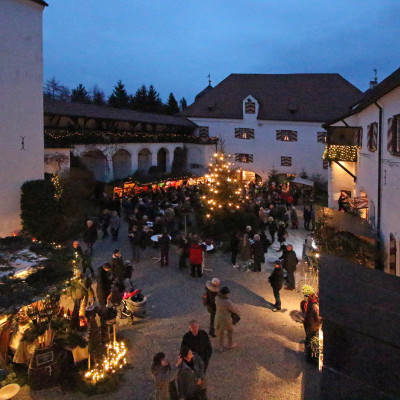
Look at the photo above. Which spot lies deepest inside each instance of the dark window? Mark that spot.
(286, 135)
(244, 158)
(286, 161)
(250, 107)
(244, 133)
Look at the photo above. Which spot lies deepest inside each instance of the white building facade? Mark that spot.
(21, 105)
(272, 122)
(374, 178)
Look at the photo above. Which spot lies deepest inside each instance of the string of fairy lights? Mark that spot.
(66, 137)
(335, 152)
(222, 184)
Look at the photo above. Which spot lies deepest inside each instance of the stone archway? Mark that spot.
(180, 159)
(162, 156)
(122, 164)
(144, 160)
(96, 162)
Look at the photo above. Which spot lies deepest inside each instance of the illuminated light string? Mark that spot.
(111, 363)
(334, 152)
(220, 180)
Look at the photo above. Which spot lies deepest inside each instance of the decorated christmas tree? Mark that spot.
(223, 191)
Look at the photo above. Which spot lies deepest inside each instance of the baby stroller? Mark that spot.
(133, 305)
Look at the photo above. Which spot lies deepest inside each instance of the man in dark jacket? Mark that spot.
(212, 290)
(103, 283)
(136, 237)
(90, 235)
(117, 267)
(190, 379)
(289, 262)
(258, 252)
(276, 281)
(198, 341)
(163, 244)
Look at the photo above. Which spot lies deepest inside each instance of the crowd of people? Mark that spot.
(156, 217)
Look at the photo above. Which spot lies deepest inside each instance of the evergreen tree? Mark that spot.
(223, 189)
(171, 107)
(138, 101)
(182, 103)
(80, 95)
(64, 94)
(52, 88)
(119, 97)
(98, 96)
(153, 103)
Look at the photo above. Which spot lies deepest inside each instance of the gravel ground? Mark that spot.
(269, 361)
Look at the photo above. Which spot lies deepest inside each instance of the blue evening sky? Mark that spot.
(175, 44)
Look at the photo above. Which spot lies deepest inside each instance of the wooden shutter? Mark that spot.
(359, 137)
(392, 255)
(325, 164)
(390, 136)
(203, 131)
(279, 135)
(286, 161)
(374, 136)
(250, 107)
(293, 136)
(321, 137)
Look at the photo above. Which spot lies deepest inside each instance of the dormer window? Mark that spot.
(286, 135)
(204, 131)
(244, 133)
(250, 107)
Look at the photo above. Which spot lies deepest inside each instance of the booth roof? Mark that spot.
(303, 181)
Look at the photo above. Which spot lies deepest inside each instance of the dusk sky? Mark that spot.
(175, 44)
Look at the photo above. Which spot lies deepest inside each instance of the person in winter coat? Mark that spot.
(223, 318)
(163, 244)
(272, 227)
(183, 251)
(191, 382)
(264, 240)
(164, 376)
(114, 225)
(136, 237)
(212, 290)
(245, 250)
(282, 234)
(198, 341)
(312, 322)
(258, 252)
(196, 258)
(307, 217)
(276, 281)
(105, 222)
(234, 245)
(289, 263)
(117, 268)
(263, 218)
(104, 281)
(90, 235)
(294, 219)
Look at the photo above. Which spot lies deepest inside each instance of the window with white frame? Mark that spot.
(244, 133)
(286, 135)
(244, 158)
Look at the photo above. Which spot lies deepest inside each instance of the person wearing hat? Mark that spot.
(212, 289)
(223, 318)
(276, 281)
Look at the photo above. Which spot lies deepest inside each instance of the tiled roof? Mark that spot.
(372, 95)
(104, 112)
(288, 97)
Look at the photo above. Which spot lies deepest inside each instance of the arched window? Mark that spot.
(122, 164)
(162, 159)
(96, 162)
(144, 160)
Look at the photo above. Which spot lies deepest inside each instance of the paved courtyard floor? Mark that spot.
(269, 361)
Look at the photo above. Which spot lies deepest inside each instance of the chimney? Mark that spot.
(373, 83)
